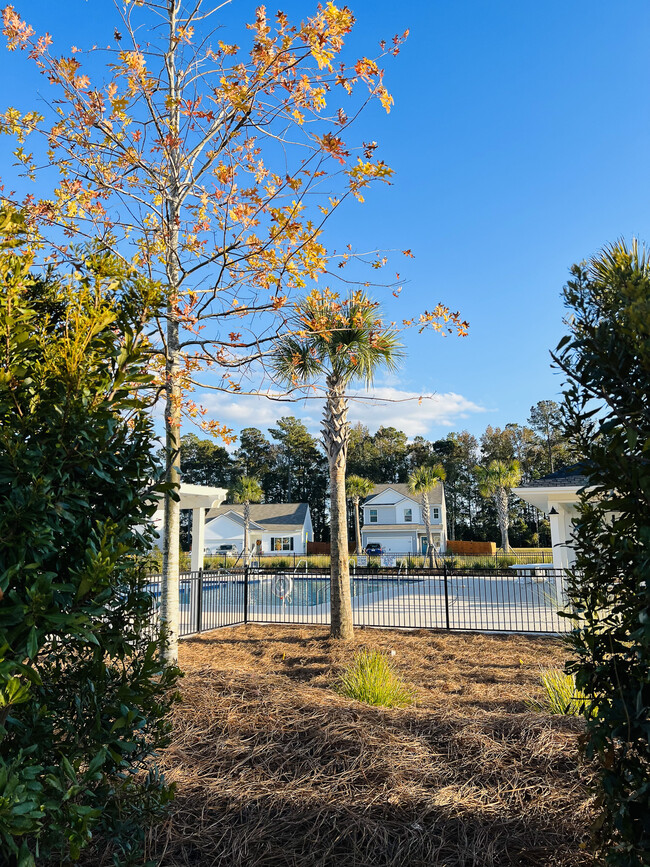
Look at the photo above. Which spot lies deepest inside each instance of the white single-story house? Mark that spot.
(198, 498)
(392, 517)
(274, 527)
(557, 494)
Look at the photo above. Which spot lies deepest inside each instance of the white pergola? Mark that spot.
(561, 505)
(198, 498)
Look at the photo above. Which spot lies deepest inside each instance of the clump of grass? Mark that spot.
(561, 694)
(372, 679)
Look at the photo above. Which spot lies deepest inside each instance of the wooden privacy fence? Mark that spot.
(457, 547)
(323, 548)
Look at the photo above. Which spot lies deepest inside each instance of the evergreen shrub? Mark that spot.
(84, 694)
(606, 356)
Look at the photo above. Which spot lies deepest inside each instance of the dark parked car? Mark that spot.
(374, 549)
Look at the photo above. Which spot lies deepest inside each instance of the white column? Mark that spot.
(560, 534)
(198, 538)
(557, 538)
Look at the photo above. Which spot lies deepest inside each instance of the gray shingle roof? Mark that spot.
(273, 517)
(575, 475)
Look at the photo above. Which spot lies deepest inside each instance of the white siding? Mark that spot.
(224, 531)
(387, 496)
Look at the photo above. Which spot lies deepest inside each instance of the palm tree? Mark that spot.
(421, 481)
(495, 481)
(246, 490)
(357, 487)
(336, 341)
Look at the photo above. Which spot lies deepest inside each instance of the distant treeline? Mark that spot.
(291, 467)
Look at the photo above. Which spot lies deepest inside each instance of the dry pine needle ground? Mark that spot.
(273, 767)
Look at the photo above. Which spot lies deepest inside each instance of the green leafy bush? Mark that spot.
(372, 679)
(606, 357)
(84, 693)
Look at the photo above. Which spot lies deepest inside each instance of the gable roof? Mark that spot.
(573, 476)
(236, 517)
(271, 517)
(402, 490)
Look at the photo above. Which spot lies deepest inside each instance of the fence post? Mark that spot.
(444, 572)
(246, 594)
(199, 602)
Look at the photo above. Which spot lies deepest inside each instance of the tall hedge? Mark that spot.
(607, 359)
(83, 691)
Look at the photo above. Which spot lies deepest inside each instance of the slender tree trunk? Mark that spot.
(501, 500)
(170, 590)
(169, 601)
(357, 524)
(247, 523)
(426, 516)
(336, 432)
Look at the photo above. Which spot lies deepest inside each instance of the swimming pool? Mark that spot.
(469, 601)
(288, 590)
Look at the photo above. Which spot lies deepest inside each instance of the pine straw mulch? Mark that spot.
(273, 767)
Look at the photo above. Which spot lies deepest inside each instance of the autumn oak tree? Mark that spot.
(211, 168)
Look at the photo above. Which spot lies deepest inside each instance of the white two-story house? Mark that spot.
(392, 517)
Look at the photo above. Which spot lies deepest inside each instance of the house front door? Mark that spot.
(436, 543)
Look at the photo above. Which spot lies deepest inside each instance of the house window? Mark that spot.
(281, 543)
(435, 514)
(408, 516)
(373, 516)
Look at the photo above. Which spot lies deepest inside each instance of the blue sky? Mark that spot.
(519, 139)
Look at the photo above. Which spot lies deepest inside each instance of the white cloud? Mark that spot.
(411, 412)
(392, 407)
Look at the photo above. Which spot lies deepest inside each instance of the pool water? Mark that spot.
(307, 592)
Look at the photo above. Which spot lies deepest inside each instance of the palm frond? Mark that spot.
(246, 489)
(357, 486)
(296, 360)
(497, 475)
(346, 338)
(424, 478)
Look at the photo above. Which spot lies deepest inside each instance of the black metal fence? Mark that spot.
(520, 599)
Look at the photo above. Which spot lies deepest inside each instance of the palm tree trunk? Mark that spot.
(247, 523)
(426, 516)
(357, 525)
(336, 430)
(501, 500)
